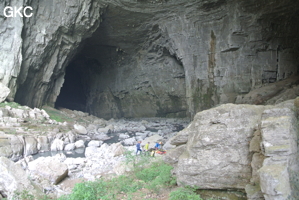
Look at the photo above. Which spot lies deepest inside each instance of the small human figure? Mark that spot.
(158, 145)
(146, 147)
(138, 148)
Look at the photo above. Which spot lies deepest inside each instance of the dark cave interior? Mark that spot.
(72, 94)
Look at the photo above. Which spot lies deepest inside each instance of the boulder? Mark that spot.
(168, 146)
(123, 136)
(217, 152)
(105, 151)
(70, 147)
(129, 141)
(80, 129)
(30, 146)
(4, 92)
(49, 168)
(275, 183)
(57, 145)
(71, 136)
(79, 144)
(11, 146)
(95, 143)
(43, 143)
(172, 155)
(279, 135)
(17, 147)
(14, 179)
(101, 136)
(116, 149)
(181, 137)
(107, 130)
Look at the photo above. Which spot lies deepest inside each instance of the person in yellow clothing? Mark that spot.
(146, 146)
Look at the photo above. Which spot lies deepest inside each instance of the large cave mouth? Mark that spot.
(125, 70)
(73, 93)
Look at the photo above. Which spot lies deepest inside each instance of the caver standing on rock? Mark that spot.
(138, 147)
(146, 148)
(158, 145)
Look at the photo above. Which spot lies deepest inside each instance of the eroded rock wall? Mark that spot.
(36, 50)
(170, 57)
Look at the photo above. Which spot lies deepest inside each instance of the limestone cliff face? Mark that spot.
(146, 58)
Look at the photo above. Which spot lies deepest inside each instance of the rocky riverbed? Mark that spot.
(28, 134)
(249, 148)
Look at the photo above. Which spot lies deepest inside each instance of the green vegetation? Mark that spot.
(12, 104)
(148, 175)
(24, 195)
(153, 178)
(56, 115)
(184, 193)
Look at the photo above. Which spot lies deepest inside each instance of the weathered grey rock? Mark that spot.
(279, 133)
(95, 143)
(107, 130)
(271, 94)
(80, 144)
(275, 182)
(253, 192)
(181, 137)
(11, 146)
(17, 147)
(80, 129)
(48, 168)
(168, 146)
(256, 164)
(105, 151)
(4, 92)
(101, 137)
(116, 149)
(14, 179)
(129, 141)
(70, 147)
(43, 143)
(71, 136)
(255, 143)
(123, 136)
(217, 152)
(30, 146)
(5, 149)
(57, 145)
(75, 161)
(172, 155)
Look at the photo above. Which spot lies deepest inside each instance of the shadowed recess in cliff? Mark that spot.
(125, 70)
(73, 93)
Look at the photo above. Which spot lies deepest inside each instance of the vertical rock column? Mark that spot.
(11, 46)
(279, 173)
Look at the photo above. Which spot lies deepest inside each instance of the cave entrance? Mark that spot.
(73, 93)
(126, 69)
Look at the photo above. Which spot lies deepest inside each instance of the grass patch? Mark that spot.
(57, 115)
(153, 177)
(12, 104)
(184, 193)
